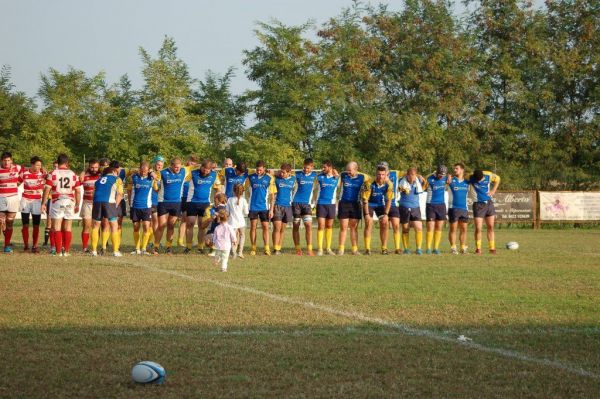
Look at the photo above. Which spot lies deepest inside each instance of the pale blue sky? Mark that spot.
(105, 35)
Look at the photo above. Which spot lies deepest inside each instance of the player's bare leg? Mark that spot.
(171, 222)
(253, 226)
(190, 222)
(342, 237)
(265, 234)
(489, 222)
(353, 225)
(417, 225)
(478, 229)
(308, 235)
(277, 236)
(296, 235)
(452, 227)
(383, 233)
(397, 235)
(367, 233)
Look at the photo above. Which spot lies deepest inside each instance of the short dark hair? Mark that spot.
(114, 164)
(5, 155)
(286, 166)
(260, 164)
(107, 171)
(462, 166)
(381, 168)
(477, 175)
(62, 159)
(207, 163)
(93, 161)
(35, 159)
(309, 161)
(241, 166)
(327, 162)
(104, 161)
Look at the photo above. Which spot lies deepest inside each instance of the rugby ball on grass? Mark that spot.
(148, 373)
(512, 245)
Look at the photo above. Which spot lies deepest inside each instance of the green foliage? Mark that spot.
(511, 88)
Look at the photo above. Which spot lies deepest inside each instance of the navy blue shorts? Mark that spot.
(435, 212)
(282, 214)
(326, 211)
(350, 210)
(458, 215)
(299, 210)
(394, 212)
(483, 209)
(409, 214)
(105, 210)
(184, 206)
(141, 214)
(122, 209)
(197, 209)
(262, 215)
(172, 208)
(378, 211)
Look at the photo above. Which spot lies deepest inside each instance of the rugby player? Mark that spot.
(306, 182)
(484, 184)
(458, 213)
(227, 163)
(394, 215)
(435, 209)
(9, 197)
(349, 206)
(328, 182)
(48, 232)
(88, 180)
(108, 193)
(410, 187)
(33, 180)
(63, 186)
(377, 200)
(158, 163)
(230, 176)
(262, 186)
(281, 212)
(140, 204)
(190, 163)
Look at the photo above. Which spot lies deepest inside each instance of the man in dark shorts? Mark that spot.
(435, 209)
(349, 207)
(377, 201)
(411, 187)
(328, 182)
(484, 184)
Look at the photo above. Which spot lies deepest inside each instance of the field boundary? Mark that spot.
(403, 328)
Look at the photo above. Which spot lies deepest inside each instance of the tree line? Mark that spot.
(508, 87)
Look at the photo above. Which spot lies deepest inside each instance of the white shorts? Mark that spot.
(9, 204)
(86, 210)
(63, 209)
(31, 206)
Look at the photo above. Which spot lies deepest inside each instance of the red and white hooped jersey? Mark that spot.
(33, 184)
(9, 181)
(62, 183)
(89, 185)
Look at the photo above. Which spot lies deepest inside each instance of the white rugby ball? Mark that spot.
(512, 245)
(148, 373)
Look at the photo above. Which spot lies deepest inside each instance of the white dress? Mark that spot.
(237, 212)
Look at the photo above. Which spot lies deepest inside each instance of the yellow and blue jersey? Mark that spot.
(482, 188)
(378, 195)
(141, 191)
(230, 178)
(436, 189)
(409, 193)
(458, 193)
(201, 187)
(328, 186)
(285, 190)
(170, 185)
(394, 177)
(305, 185)
(260, 188)
(106, 189)
(352, 186)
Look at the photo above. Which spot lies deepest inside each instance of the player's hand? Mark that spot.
(271, 214)
(76, 208)
(492, 193)
(43, 209)
(384, 219)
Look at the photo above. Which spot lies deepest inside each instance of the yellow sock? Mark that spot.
(397, 238)
(429, 239)
(200, 246)
(453, 246)
(151, 235)
(105, 237)
(405, 240)
(189, 245)
(341, 248)
(309, 247)
(354, 248)
(478, 244)
(437, 239)
(463, 247)
(253, 248)
(146, 239)
(115, 240)
(298, 247)
(275, 247)
(169, 243)
(419, 239)
(328, 237)
(267, 248)
(136, 239)
(95, 238)
(320, 235)
(368, 243)
(492, 244)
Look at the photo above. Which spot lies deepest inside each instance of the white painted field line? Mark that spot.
(419, 332)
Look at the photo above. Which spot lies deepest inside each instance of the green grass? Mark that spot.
(75, 326)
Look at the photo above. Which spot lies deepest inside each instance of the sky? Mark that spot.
(105, 35)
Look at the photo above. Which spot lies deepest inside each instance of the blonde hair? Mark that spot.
(238, 189)
(222, 216)
(220, 198)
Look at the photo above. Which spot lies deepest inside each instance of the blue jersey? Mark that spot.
(436, 190)
(409, 193)
(327, 188)
(394, 177)
(261, 187)
(106, 188)
(378, 195)
(285, 190)
(459, 190)
(304, 187)
(482, 187)
(201, 186)
(186, 190)
(171, 185)
(141, 191)
(230, 178)
(352, 186)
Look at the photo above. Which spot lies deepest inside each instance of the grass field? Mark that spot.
(378, 326)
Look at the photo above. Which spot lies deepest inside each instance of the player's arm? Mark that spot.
(77, 192)
(273, 196)
(496, 182)
(389, 195)
(366, 194)
(119, 196)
